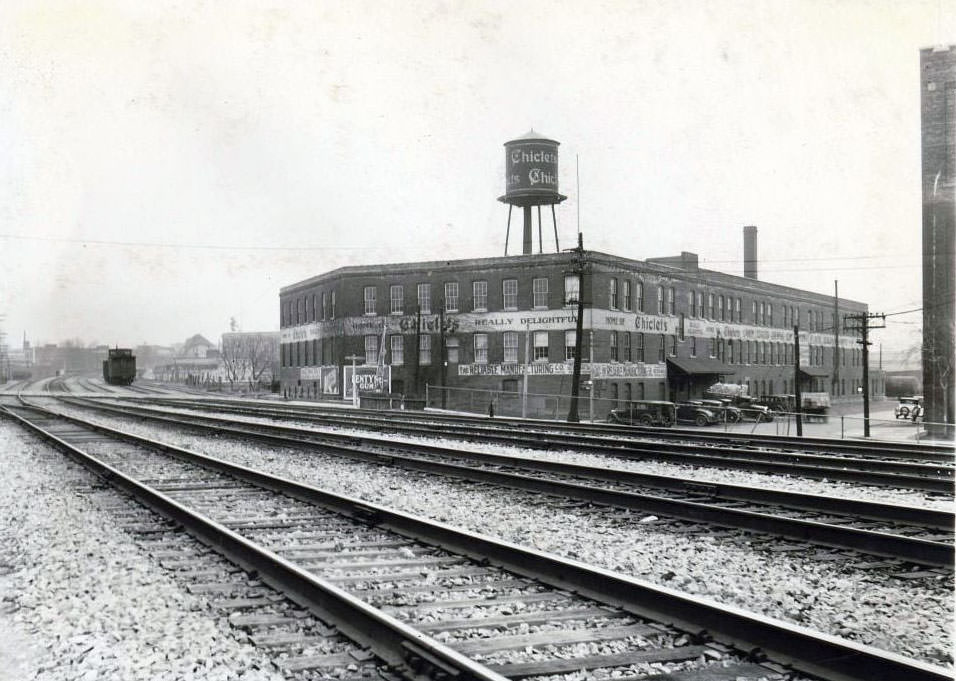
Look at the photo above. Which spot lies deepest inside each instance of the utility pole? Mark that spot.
(861, 322)
(796, 380)
(355, 398)
(836, 335)
(443, 353)
(418, 343)
(579, 267)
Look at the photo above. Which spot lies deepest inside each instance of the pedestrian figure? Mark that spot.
(491, 409)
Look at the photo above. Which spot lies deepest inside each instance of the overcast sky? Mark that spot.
(167, 166)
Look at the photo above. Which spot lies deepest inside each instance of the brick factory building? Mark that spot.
(661, 328)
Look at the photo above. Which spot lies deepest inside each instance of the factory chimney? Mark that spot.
(750, 252)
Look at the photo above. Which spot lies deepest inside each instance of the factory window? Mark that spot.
(713, 347)
(660, 300)
(539, 291)
(612, 294)
(626, 294)
(690, 303)
(572, 289)
(626, 347)
(308, 353)
(614, 392)
(762, 315)
(737, 317)
(731, 358)
(424, 349)
(479, 295)
(509, 293)
(640, 391)
(511, 347)
(570, 344)
(396, 296)
(540, 346)
(451, 296)
(639, 348)
(662, 349)
(451, 349)
(332, 312)
(700, 305)
(693, 346)
(371, 349)
(300, 310)
(397, 342)
(710, 306)
(639, 296)
(425, 298)
(720, 308)
(671, 301)
(612, 346)
(627, 392)
(753, 312)
(769, 314)
(673, 346)
(481, 348)
(369, 300)
(809, 320)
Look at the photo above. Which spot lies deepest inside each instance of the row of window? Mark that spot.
(620, 349)
(451, 302)
(321, 307)
(310, 308)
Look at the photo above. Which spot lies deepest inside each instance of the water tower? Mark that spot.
(531, 179)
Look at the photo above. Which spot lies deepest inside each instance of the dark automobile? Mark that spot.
(644, 413)
(724, 410)
(750, 409)
(696, 413)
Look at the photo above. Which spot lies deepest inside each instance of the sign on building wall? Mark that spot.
(330, 380)
(368, 379)
(596, 370)
(550, 320)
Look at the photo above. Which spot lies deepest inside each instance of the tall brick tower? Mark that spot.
(938, 119)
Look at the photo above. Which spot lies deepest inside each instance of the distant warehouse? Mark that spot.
(662, 328)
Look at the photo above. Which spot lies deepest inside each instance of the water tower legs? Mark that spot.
(528, 239)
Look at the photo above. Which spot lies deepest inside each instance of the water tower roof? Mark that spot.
(532, 135)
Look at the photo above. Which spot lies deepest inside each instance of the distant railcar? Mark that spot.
(120, 367)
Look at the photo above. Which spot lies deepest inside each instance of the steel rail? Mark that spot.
(504, 431)
(410, 652)
(918, 451)
(801, 648)
(916, 550)
(811, 466)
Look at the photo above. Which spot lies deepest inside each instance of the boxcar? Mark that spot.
(120, 367)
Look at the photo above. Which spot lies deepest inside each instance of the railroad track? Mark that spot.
(927, 477)
(436, 421)
(430, 601)
(905, 534)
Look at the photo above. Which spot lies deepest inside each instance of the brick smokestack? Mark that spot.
(750, 252)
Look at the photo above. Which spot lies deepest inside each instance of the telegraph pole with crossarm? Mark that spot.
(862, 323)
(580, 265)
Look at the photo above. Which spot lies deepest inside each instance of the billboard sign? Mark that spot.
(368, 379)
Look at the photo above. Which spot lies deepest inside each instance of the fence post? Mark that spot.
(842, 430)
(916, 424)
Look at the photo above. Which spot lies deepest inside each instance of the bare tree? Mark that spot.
(235, 360)
(248, 356)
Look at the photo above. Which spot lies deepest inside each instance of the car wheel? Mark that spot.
(700, 420)
(646, 420)
(904, 412)
(733, 418)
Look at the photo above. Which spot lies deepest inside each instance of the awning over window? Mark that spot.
(814, 372)
(697, 365)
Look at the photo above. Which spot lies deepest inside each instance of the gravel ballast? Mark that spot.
(81, 601)
(912, 618)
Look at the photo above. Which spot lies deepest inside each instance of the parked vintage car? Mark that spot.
(904, 409)
(645, 413)
(750, 409)
(724, 409)
(696, 413)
